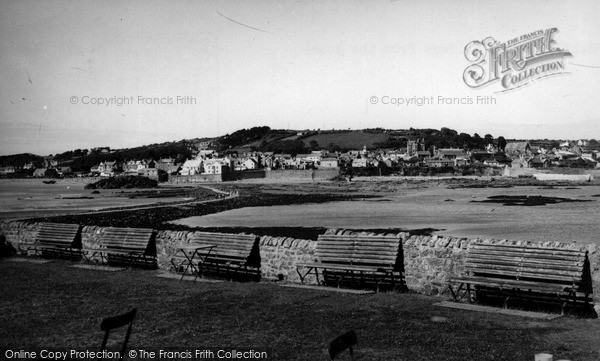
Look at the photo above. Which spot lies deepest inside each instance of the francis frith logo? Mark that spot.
(516, 62)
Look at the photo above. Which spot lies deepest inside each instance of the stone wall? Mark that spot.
(197, 178)
(301, 174)
(515, 172)
(18, 232)
(280, 255)
(429, 261)
(247, 174)
(167, 244)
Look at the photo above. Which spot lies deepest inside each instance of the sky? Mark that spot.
(84, 74)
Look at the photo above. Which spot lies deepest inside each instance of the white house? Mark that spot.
(191, 167)
(108, 169)
(217, 165)
(250, 163)
(359, 163)
(329, 163)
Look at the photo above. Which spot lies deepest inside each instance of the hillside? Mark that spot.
(265, 139)
(346, 139)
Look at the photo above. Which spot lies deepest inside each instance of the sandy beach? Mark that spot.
(454, 212)
(30, 198)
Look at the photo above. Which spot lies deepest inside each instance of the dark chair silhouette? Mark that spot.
(110, 323)
(342, 342)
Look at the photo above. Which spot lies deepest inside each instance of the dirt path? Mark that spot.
(182, 204)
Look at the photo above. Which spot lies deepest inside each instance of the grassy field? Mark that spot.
(54, 305)
(347, 140)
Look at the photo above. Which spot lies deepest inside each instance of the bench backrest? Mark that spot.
(548, 265)
(243, 247)
(59, 235)
(129, 240)
(367, 251)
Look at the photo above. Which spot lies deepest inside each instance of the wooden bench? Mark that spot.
(233, 256)
(126, 246)
(60, 240)
(189, 258)
(530, 274)
(363, 261)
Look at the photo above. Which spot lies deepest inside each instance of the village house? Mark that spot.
(493, 163)
(108, 169)
(360, 163)
(539, 161)
(134, 166)
(481, 155)
(303, 161)
(204, 144)
(283, 161)
(516, 149)
(151, 173)
(421, 154)
(450, 153)
(207, 153)
(49, 162)
(40, 172)
(315, 156)
(268, 161)
(250, 164)
(65, 171)
(590, 155)
(192, 167)
(246, 163)
(520, 162)
(566, 155)
(167, 165)
(328, 163)
(439, 162)
(565, 145)
(7, 170)
(217, 166)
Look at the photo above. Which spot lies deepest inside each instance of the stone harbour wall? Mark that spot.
(429, 261)
(18, 232)
(280, 255)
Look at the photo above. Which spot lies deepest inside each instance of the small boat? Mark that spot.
(49, 182)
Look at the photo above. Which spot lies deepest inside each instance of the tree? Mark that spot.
(477, 141)
(501, 143)
(488, 139)
(314, 145)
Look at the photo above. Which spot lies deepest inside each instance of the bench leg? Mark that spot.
(456, 294)
(187, 267)
(89, 258)
(303, 276)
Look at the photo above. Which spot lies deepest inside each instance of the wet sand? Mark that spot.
(451, 211)
(30, 198)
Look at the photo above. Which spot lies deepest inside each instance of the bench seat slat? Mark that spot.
(55, 239)
(513, 284)
(476, 267)
(132, 244)
(526, 272)
(346, 267)
(366, 260)
(232, 254)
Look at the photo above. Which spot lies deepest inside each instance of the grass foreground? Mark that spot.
(53, 305)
